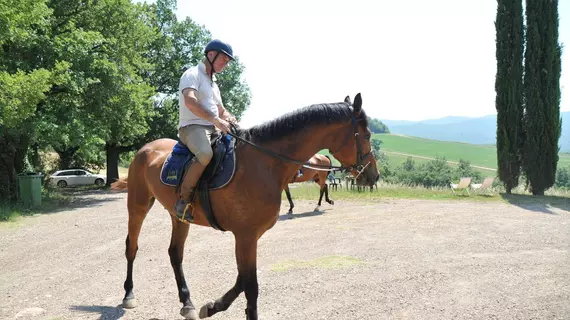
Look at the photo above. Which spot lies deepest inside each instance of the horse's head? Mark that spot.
(353, 149)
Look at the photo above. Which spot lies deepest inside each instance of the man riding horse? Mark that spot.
(202, 115)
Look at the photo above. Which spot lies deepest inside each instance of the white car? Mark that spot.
(76, 177)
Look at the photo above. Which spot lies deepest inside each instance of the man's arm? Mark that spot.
(191, 102)
(225, 114)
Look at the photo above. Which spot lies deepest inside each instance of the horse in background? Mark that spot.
(249, 204)
(318, 176)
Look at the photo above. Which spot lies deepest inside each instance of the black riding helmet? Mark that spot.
(218, 46)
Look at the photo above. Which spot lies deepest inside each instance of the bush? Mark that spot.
(464, 169)
(562, 178)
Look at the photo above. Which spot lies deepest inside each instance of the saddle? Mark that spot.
(219, 172)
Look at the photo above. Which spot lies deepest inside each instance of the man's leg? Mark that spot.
(197, 139)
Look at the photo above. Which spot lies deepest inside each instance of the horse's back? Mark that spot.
(162, 144)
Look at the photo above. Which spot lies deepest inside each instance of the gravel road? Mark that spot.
(390, 259)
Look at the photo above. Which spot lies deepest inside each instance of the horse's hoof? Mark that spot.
(129, 303)
(189, 313)
(317, 209)
(290, 212)
(332, 202)
(204, 310)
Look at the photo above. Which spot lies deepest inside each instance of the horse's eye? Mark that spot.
(367, 137)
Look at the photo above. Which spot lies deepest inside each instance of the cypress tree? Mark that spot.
(542, 121)
(508, 87)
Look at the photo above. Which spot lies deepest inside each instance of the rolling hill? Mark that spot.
(482, 156)
(463, 129)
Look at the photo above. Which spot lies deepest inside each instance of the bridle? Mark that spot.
(358, 166)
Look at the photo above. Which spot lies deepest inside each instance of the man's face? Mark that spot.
(221, 61)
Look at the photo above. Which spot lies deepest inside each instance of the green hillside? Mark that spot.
(399, 147)
(484, 156)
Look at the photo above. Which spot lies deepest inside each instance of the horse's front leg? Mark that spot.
(176, 252)
(246, 256)
(223, 303)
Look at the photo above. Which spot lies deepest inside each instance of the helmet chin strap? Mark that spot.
(212, 65)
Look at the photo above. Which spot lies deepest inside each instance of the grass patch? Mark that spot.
(329, 262)
(310, 191)
(51, 200)
(477, 154)
(8, 213)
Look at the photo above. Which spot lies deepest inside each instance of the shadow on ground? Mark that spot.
(539, 204)
(72, 198)
(105, 312)
(286, 216)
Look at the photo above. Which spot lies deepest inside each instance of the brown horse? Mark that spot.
(318, 176)
(249, 205)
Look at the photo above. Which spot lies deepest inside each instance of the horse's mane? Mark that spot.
(326, 113)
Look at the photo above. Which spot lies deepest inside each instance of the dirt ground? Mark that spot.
(391, 259)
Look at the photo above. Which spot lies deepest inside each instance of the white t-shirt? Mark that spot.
(208, 95)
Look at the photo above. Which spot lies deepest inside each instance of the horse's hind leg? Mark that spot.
(223, 303)
(324, 191)
(330, 201)
(291, 205)
(138, 209)
(176, 253)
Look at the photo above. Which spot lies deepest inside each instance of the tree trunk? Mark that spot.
(113, 153)
(66, 157)
(7, 168)
(35, 159)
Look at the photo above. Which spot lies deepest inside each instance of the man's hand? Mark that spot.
(232, 120)
(221, 124)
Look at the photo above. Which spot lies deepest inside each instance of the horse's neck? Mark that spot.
(301, 146)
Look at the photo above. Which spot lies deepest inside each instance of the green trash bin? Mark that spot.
(30, 187)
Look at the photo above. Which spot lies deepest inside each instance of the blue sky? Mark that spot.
(411, 60)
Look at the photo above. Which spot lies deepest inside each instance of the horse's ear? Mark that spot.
(347, 100)
(357, 103)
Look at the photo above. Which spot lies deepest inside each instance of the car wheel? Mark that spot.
(99, 182)
(62, 184)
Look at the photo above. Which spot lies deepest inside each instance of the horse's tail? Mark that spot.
(120, 184)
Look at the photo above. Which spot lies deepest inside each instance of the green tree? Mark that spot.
(376, 126)
(23, 84)
(508, 88)
(542, 121)
(563, 178)
(464, 169)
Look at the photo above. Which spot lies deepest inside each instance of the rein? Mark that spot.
(358, 166)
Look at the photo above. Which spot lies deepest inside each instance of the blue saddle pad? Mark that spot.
(218, 173)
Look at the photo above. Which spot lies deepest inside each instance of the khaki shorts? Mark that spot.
(198, 139)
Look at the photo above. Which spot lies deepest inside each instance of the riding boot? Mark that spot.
(188, 184)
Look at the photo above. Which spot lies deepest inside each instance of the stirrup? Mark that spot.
(185, 217)
(190, 216)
